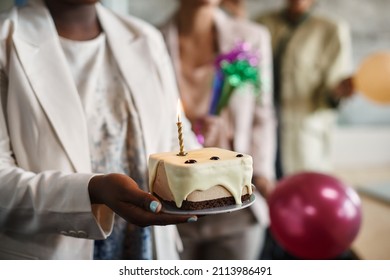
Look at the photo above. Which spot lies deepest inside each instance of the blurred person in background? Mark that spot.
(312, 68)
(196, 36)
(312, 64)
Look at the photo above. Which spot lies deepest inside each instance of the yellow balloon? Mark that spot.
(372, 78)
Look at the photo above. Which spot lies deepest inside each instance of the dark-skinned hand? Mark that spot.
(122, 194)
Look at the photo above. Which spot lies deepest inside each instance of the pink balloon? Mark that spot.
(314, 216)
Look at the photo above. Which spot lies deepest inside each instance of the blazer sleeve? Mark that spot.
(45, 202)
(336, 63)
(264, 127)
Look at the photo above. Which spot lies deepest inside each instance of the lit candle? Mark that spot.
(180, 129)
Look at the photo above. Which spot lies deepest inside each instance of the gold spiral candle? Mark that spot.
(181, 142)
(180, 130)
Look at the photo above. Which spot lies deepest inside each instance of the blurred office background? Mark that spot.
(369, 22)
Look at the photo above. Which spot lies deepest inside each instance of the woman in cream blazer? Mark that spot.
(45, 169)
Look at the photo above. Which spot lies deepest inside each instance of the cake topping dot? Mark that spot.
(190, 161)
(214, 158)
(239, 155)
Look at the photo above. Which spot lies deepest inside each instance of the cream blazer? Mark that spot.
(253, 122)
(45, 211)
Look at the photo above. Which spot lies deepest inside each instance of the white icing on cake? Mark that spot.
(231, 172)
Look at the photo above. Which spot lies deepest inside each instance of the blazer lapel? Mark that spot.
(132, 53)
(38, 48)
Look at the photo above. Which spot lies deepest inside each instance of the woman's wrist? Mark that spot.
(94, 187)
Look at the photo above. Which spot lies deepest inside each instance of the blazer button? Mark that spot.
(82, 234)
(72, 233)
(63, 232)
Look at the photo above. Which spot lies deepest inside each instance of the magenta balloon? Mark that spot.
(314, 216)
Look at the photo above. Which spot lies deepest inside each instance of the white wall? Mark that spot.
(359, 147)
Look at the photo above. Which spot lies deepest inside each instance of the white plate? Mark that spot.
(217, 210)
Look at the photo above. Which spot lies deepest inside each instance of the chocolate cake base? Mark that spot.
(207, 204)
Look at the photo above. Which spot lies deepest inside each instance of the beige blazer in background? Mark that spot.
(45, 211)
(317, 58)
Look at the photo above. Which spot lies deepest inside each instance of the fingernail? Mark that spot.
(192, 219)
(153, 206)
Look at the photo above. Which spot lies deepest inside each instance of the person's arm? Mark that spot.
(337, 67)
(58, 202)
(122, 194)
(50, 201)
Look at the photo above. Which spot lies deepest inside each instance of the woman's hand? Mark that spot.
(122, 194)
(344, 89)
(216, 132)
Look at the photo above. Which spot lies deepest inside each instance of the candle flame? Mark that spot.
(179, 109)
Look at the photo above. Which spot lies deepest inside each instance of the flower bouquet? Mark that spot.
(233, 70)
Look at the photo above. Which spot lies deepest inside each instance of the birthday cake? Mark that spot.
(202, 179)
